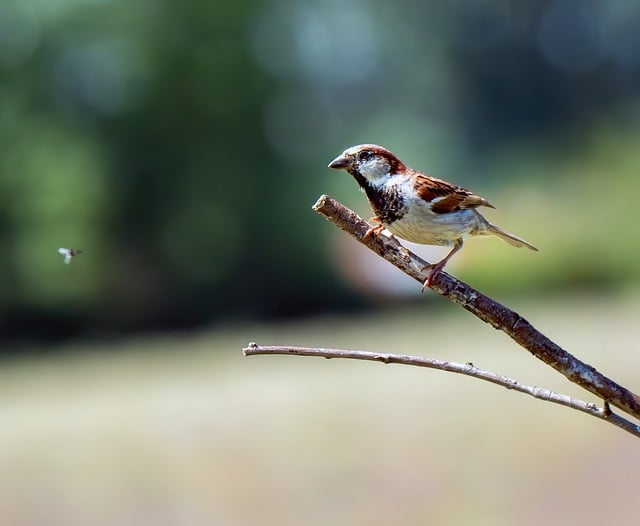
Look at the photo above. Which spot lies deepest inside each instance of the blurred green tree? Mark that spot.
(181, 144)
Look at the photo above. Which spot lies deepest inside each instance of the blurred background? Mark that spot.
(181, 145)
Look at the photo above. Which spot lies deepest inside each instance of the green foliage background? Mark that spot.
(181, 145)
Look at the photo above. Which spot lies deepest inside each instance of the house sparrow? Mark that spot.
(415, 206)
(69, 253)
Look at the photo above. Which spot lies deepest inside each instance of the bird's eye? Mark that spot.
(365, 155)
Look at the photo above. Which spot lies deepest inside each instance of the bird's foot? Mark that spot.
(374, 230)
(435, 268)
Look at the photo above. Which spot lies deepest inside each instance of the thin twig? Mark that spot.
(485, 308)
(468, 369)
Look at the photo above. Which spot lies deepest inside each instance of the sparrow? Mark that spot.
(417, 207)
(69, 253)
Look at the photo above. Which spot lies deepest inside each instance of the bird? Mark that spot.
(417, 207)
(69, 253)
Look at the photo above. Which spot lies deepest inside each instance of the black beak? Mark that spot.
(340, 163)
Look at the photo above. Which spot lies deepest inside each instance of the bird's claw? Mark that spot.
(374, 230)
(427, 282)
(435, 268)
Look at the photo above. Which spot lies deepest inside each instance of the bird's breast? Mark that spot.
(419, 224)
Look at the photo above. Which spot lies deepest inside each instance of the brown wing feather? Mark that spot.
(451, 197)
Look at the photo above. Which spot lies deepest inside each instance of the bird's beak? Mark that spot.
(340, 163)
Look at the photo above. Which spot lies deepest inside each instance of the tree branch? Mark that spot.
(468, 369)
(488, 310)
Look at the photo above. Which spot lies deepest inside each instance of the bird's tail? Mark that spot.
(509, 238)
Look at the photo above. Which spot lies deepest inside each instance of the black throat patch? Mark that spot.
(386, 203)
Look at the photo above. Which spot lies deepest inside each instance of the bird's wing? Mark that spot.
(446, 197)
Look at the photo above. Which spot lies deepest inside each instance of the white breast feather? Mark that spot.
(421, 225)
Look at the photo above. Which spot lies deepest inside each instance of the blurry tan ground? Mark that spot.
(186, 431)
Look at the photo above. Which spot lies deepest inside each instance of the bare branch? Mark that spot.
(468, 369)
(488, 310)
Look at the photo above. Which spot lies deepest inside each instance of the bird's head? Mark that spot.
(368, 163)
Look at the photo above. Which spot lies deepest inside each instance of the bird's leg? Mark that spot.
(374, 230)
(437, 267)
